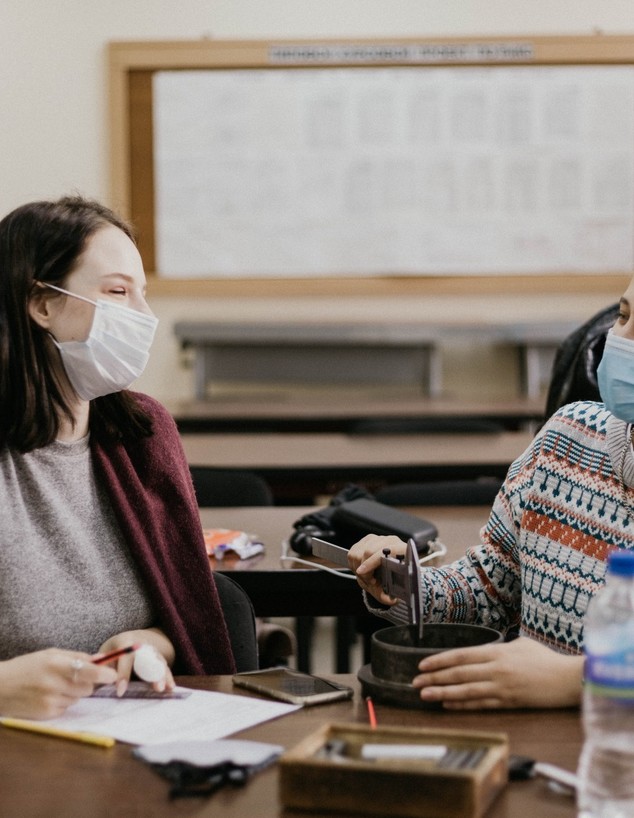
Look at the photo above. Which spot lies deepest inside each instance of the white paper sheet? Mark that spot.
(204, 715)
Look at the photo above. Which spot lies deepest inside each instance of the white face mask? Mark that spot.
(115, 352)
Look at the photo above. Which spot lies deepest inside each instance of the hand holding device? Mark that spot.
(400, 576)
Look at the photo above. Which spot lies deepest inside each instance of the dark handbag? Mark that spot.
(351, 515)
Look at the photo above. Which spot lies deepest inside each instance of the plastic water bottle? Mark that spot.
(606, 766)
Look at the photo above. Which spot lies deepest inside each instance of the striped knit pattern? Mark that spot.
(565, 503)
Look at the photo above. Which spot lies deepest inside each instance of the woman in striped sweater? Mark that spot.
(566, 502)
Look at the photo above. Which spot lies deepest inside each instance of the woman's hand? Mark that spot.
(43, 684)
(521, 673)
(124, 664)
(364, 558)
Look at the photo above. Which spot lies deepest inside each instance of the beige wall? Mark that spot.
(54, 128)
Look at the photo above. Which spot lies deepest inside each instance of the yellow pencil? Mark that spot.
(58, 732)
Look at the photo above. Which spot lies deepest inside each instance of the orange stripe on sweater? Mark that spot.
(565, 535)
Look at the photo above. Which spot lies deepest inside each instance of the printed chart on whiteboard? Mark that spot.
(350, 172)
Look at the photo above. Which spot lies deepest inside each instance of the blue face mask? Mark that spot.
(615, 375)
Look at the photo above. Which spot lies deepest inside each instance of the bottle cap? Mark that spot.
(621, 563)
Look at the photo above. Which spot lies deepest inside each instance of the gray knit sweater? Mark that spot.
(66, 576)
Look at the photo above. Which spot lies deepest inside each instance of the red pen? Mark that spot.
(114, 654)
(371, 713)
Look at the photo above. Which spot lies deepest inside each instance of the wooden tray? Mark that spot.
(326, 772)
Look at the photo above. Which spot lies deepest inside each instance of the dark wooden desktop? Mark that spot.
(280, 588)
(284, 588)
(301, 586)
(42, 776)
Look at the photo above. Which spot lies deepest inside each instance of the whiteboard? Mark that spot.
(355, 172)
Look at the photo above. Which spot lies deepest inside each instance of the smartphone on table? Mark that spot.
(292, 686)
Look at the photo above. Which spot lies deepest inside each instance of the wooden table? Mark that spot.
(279, 588)
(302, 466)
(348, 410)
(284, 589)
(42, 776)
(341, 452)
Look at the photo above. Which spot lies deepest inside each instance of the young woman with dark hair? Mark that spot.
(101, 543)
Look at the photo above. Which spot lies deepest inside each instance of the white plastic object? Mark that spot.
(148, 665)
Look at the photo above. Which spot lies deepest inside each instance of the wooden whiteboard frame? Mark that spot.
(131, 65)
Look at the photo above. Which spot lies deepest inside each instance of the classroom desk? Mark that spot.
(286, 589)
(301, 466)
(342, 410)
(279, 588)
(42, 776)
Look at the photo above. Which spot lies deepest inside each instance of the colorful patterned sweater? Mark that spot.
(565, 503)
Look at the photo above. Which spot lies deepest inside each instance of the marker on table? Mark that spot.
(58, 732)
(114, 654)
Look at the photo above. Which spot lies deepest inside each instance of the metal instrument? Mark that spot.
(400, 575)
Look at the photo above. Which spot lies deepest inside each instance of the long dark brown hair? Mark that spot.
(42, 241)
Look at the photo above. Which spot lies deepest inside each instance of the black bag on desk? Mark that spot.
(351, 515)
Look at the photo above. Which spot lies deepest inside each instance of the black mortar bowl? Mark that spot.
(396, 653)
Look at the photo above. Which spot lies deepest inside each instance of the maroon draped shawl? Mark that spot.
(155, 505)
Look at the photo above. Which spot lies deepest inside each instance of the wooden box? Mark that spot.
(326, 772)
